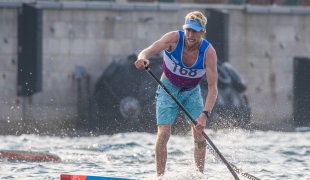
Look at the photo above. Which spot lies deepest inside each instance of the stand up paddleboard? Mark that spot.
(85, 177)
(28, 156)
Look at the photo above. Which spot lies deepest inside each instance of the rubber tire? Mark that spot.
(237, 81)
(224, 78)
(110, 70)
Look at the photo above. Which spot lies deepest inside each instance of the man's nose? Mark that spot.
(190, 33)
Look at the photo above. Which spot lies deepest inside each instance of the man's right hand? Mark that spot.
(140, 63)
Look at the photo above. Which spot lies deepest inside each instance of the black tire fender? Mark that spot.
(224, 78)
(111, 69)
(237, 81)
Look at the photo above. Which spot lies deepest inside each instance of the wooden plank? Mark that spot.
(28, 156)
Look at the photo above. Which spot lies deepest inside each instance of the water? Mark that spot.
(266, 155)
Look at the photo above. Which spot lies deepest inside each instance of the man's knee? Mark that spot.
(163, 134)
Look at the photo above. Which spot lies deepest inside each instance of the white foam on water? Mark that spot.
(264, 154)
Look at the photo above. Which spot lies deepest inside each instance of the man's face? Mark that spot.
(192, 37)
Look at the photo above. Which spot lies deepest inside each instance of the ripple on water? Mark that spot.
(267, 155)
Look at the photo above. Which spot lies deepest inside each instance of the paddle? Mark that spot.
(218, 153)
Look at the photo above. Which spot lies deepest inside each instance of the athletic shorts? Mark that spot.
(167, 109)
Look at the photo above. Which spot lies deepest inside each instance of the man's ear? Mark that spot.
(204, 30)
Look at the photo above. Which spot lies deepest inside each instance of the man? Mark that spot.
(187, 57)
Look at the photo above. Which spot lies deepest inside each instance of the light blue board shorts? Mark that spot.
(167, 109)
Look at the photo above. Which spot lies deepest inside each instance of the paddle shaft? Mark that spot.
(194, 122)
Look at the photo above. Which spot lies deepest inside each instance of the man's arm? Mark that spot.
(211, 73)
(212, 76)
(167, 41)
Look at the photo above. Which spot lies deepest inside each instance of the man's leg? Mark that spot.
(163, 135)
(199, 149)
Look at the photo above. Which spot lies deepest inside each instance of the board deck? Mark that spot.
(86, 177)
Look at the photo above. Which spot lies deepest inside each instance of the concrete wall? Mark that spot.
(9, 102)
(89, 34)
(262, 47)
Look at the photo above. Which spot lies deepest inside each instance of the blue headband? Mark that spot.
(193, 24)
